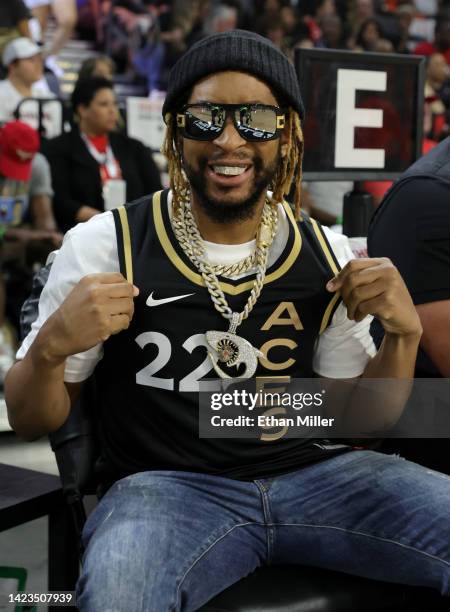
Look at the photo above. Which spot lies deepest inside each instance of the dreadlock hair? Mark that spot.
(289, 171)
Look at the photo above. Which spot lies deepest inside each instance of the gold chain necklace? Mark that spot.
(227, 347)
(188, 236)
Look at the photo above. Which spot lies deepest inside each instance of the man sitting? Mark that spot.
(178, 288)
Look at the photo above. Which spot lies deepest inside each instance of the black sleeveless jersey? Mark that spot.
(149, 376)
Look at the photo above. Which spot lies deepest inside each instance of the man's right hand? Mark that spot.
(99, 306)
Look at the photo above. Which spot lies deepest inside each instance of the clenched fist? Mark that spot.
(99, 306)
(374, 286)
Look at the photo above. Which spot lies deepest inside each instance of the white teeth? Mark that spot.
(229, 170)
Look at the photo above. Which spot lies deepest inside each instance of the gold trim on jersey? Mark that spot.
(226, 287)
(324, 245)
(328, 311)
(325, 248)
(126, 243)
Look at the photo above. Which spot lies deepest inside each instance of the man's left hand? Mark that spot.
(374, 286)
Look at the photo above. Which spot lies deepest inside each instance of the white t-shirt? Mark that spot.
(342, 350)
(29, 112)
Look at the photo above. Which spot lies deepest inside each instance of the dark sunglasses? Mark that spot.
(254, 122)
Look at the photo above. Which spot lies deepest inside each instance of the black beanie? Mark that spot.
(234, 50)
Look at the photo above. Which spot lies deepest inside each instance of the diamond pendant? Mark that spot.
(232, 350)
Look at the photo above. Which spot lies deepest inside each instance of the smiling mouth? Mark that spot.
(229, 175)
(228, 170)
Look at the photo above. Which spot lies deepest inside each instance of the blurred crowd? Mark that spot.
(50, 180)
(146, 37)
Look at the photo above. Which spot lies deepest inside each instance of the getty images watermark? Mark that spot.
(268, 400)
(271, 408)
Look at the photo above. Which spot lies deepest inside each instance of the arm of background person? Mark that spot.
(42, 213)
(435, 319)
(41, 194)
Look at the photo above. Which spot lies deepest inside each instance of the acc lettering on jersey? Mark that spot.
(279, 365)
(276, 319)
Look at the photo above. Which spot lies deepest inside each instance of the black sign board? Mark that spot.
(364, 113)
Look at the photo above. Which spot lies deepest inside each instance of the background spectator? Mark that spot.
(441, 43)
(359, 12)
(419, 205)
(301, 40)
(407, 41)
(14, 17)
(100, 65)
(222, 19)
(290, 20)
(368, 35)
(435, 122)
(25, 238)
(23, 61)
(333, 35)
(272, 28)
(84, 161)
(65, 14)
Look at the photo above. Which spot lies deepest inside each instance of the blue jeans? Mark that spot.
(162, 541)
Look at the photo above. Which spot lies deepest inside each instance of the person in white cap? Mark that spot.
(23, 60)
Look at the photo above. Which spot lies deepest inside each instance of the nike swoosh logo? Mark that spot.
(151, 301)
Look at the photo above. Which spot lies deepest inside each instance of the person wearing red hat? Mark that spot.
(19, 144)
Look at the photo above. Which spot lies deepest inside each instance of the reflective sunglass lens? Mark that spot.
(202, 123)
(257, 123)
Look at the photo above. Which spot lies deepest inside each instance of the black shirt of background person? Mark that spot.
(412, 228)
(76, 176)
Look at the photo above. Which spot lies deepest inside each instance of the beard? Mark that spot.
(237, 210)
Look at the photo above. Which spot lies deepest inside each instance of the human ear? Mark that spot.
(80, 111)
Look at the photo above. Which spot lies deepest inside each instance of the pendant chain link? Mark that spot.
(188, 235)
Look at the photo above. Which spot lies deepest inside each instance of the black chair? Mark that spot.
(292, 588)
